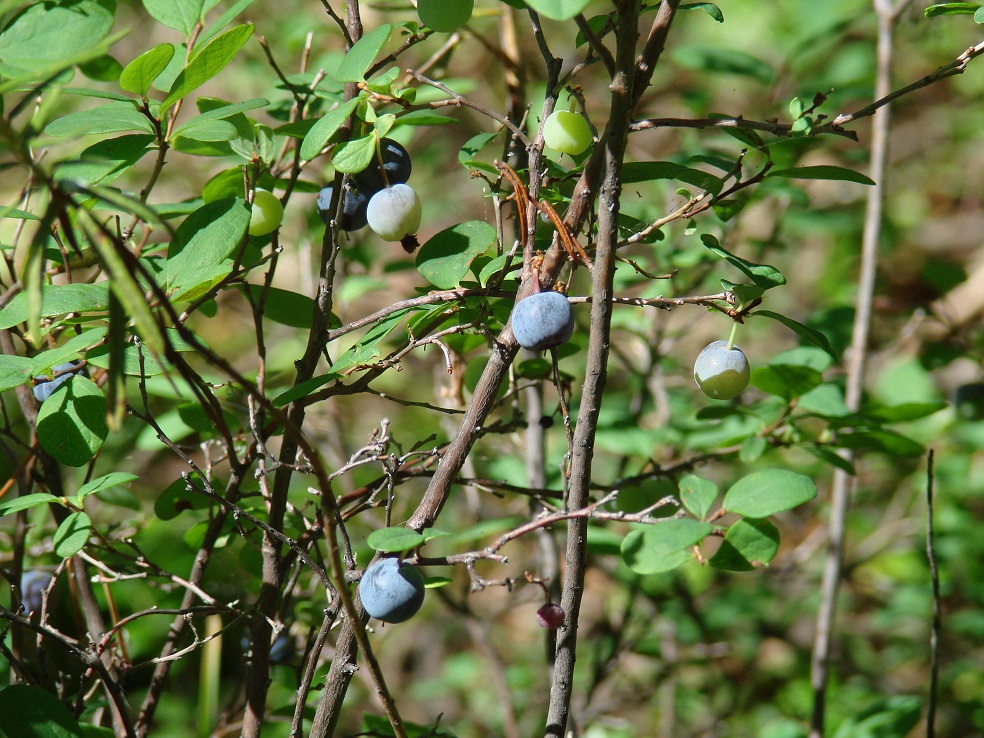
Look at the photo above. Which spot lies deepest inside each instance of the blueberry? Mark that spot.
(391, 591)
(353, 208)
(544, 320)
(396, 162)
(32, 584)
(45, 386)
(720, 372)
(394, 213)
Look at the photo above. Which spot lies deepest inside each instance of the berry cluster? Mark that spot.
(379, 197)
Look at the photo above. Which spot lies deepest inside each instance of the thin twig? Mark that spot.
(934, 636)
(840, 497)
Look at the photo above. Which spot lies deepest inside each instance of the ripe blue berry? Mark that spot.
(353, 208)
(391, 591)
(32, 586)
(396, 163)
(45, 387)
(720, 372)
(542, 321)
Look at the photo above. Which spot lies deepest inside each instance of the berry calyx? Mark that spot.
(567, 132)
(721, 372)
(266, 214)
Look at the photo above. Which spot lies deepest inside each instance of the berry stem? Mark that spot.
(380, 163)
(734, 333)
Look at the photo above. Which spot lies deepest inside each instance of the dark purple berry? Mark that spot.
(396, 162)
(353, 208)
(550, 616)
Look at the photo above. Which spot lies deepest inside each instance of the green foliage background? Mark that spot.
(691, 652)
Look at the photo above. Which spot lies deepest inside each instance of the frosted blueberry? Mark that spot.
(543, 320)
(391, 591)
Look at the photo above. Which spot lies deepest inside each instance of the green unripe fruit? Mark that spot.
(445, 16)
(720, 372)
(266, 215)
(567, 132)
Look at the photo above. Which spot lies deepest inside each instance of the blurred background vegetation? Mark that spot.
(696, 652)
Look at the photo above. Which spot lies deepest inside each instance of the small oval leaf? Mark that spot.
(663, 547)
(72, 534)
(748, 545)
(395, 540)
(768, 492)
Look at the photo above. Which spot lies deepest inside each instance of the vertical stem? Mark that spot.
(842, 483)
(934, 635)
(596, 371)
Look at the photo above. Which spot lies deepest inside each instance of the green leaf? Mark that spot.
(283, 306)
(176, 498)
(179, 15)
(698, 495)
(111, 117)
(208, 62)
(951, 9)
(15, 371)
(72, 535)
(664, 546)
(763, 275)
(395, 540)
(768, 492)
(719, 60)
(304, 389)
(752, 449)
(204, 241)
(829, 457)
(220, 113)
(886, 441)
(888, 717)
(360, 57)
(25, 502)
(749, 544)
(558, 10)
(446, 257)
(107, 481)
(27, 711)
(72, 422)
(827, 400)
(139, 75)
(104, 161)
(905, 412)
(68, 351)
(353, 156)
(979, 15)
(473, 145)
(58, 300)
(647, 171)
(49, 34)
(839, 174)
(810, 335)
(325, 128)
(710, 8)
(785, 380)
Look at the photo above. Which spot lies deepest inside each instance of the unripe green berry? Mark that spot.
(720, 372)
